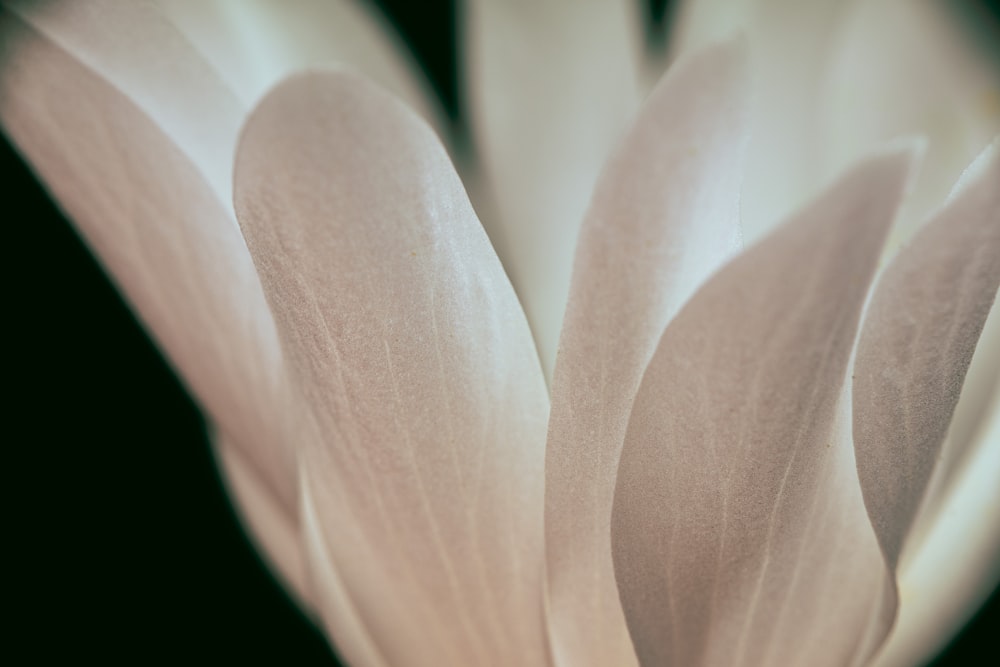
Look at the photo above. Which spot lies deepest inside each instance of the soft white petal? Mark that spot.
(273, 526)
(132, 46)
(156, 223)
(919, 335)
(552, 86)
(790, 46)
(738, 530)
(665, 214)
(254, 44)
(906, 67)
(424, 405)
(957, 565)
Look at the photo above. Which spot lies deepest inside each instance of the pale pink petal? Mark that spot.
(919, 335)
(129, 44)
(552, 87)
(422, 438)
(330, 596)
(271, 523)
(254, 44)
(664, 216)
(157, 225)
(738, 529)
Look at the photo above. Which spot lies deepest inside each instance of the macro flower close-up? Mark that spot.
(570, 333)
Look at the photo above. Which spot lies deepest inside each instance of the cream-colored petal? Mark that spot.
(907, 67)
(791, 43)
(552, 87)
(954, 569)
(156, 224)
(254, 44)
(334, 604)
(132, 46)
(665, 215)
(271, 525)
(423, 437)
(919, 335)
(738, 529)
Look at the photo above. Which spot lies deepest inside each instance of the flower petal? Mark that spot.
(931, 78)
(956, 566)
(254, 44)
(552, 86)
(738, 529)
(664, 216)
(425, 408)
(158, 227)
(273, 526)
(130, 45)
(791, 44)
(919, 335)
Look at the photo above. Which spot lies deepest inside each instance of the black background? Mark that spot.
(122, 546)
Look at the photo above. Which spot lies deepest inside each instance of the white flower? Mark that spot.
(383, 417)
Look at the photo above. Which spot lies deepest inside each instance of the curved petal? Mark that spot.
(931, 79)
(915, 347)
(738, 529)
(254, 44)
(159, 229)
(423, 434)
(552, 86)
(665, 214)
(130, 45)
(270, 523)
(957, 565)
(791, 43)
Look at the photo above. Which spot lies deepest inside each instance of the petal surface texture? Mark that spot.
(155, 220)
(955, 568)
(739, 533)
(920, 332)
(552, 87)
(425, 408)
(665, 214)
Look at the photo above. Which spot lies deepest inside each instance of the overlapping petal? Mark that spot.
(552, 86)
(254, 44)
(151, 213)
(738, 529)
(920, 332)
(665, 214)
(423, 407)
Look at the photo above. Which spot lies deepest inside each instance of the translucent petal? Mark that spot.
(553, 85)
(664, 216)
(738, 529)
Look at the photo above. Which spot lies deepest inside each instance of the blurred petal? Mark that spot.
(423, 441)
(738, 529)
(270, 523)
(790, 46)
(254, 44)
(130, 45)
(331, 597)
(919, 335)
(178, 259)
(906, 67)
(552, 86)
(664, 216)
(956, 566)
